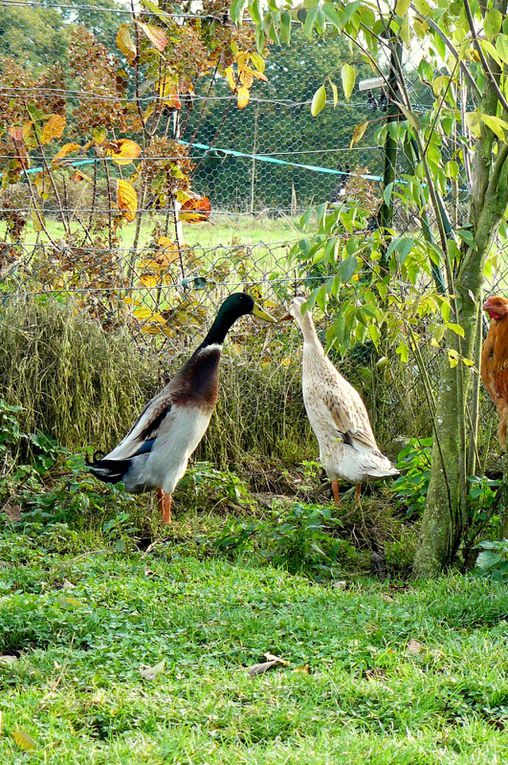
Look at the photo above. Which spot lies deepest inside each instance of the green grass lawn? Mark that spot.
(221, 230)
(395, 675)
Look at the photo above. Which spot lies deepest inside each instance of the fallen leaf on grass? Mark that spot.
(375, 673)
(414, 647)
(23, 740)
(70, 603)
(150, 673)
(304, 668)
(7, 660)
(260, 669)
(278, 659)
(271, 661)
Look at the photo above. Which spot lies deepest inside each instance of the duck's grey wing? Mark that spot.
(141, 437)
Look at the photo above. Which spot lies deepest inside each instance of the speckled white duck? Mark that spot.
(155, 452)
(337, 414)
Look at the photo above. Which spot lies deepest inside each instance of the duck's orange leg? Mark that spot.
(358, 493)
(165, 503)
(335, 489)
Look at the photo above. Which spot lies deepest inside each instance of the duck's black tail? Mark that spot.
(108, 471)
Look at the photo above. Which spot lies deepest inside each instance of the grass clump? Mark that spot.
(75, 382)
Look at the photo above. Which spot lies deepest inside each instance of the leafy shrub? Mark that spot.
(414, 463)
(493, 560)
(302, 538)
(53, 489)
(203, 487)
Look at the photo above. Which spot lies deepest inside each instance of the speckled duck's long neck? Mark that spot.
(309, 333)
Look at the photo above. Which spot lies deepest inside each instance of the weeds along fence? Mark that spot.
(138, 192)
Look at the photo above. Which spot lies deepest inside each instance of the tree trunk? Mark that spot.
(446, 513)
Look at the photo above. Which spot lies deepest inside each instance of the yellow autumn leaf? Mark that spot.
(258, 62)
(27, 131)
(66, 149)
(149, 280)
(127, 199)
(158, 318)
(23, 740)
(130, 300)
(143, 313)
(125, 43)
(124, 151)
(230, 77)
(70, 603)
(168, 90)
(169, 251)
(243, 97)
(259, 76)
(358, 133)
(53, 128)
(156, 35)
(152, 329)
(166, 242)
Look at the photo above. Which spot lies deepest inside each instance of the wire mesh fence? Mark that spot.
(244, 174)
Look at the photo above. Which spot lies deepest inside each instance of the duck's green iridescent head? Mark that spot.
(236, 305)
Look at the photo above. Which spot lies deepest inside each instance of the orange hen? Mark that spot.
(494, 366)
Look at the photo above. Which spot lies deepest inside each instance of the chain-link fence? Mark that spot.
(258, 168)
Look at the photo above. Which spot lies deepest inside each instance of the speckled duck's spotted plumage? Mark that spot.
(337, 413)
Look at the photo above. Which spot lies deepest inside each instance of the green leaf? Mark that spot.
(318, 101)
(335, 92)
(374, 333)
(310, 20)
(456, 328)
(402, 7)
(348, 76)
(237, 9)
(467, 236)
(405, 31)
(452, 169)
(422, 7)
(358, 133)
(409, 115)
(490, 50)
(496, 124)
(255, 12)
(387, 193)
(332, 15)
(402, 352)
(347, 268)
(285, 27)
(502, 47)
(349, 11)
(492, 22)
(401, 247)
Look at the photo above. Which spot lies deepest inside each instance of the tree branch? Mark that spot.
(485, 64)
(463, 68)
